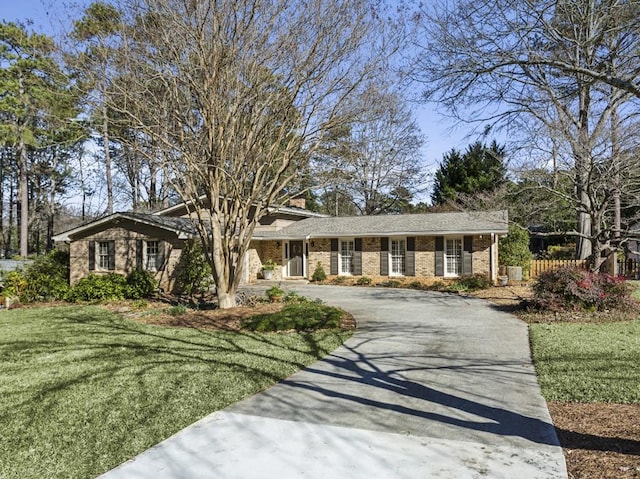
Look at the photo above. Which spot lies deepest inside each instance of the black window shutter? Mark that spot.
(410, 260)
(439, 266)
(357, 256)
(139, 251)
(92, 255)
(334, 256)
(384, 256)
(112, 255)
(160, 258)
(467, 256)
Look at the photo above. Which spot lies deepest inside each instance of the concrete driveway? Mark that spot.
(430, 386)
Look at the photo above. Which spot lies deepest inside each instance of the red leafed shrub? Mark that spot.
(569, 288)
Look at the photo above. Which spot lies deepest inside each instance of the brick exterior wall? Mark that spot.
(320, 252)
(262, 251)
(424, 256)
(125, 255)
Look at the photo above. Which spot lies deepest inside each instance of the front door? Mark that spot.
(296, 262)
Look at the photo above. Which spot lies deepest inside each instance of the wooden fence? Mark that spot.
(629, 268)
(538, 266)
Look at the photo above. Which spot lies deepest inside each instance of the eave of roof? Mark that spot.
(428, 224)
(182, 231)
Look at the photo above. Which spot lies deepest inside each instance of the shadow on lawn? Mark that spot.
(110, 346)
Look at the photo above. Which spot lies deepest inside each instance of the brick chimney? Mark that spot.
(298, 202)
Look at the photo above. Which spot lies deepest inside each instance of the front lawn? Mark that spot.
(83, 389)
(588, 362)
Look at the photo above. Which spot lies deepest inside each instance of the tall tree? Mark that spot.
(236, 97)
(376, 161)
(33, 91)
(544, 61)
(95, 35)
(480, 169)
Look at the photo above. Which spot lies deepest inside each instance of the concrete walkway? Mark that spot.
(430, 386)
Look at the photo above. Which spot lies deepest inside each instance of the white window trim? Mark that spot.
(99, 255)
(448, 274)
(353, 250)
(391, 240)
(145, 255)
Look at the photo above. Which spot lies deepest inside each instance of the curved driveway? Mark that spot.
(430, 386)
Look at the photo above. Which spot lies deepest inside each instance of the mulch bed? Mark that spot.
(158, 312)
(599, 440)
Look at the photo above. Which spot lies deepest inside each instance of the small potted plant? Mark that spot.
(267, 269)
(275, 294)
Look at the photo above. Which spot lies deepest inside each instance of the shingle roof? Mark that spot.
(177, 225)
(475, 222)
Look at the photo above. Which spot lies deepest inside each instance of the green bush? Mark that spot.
(141, 284)
(14, 284)
(363, 281)
(514, 249)
(194, 272)
(46, 279)
(319, 275)
(294, 297)
(339, 280)
(177, 310)
(570, 288)
(274, 292)
(108, 287)
(298, 317)
(475, 282)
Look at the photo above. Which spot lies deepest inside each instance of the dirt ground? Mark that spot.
(599, 441)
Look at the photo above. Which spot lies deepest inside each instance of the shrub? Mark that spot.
(45, 279)
(392, 283)
(572, 288)
(298, 317)
(14, 284)
(319, 275)
(141, 284)
(177, 310)
(339, 280)
(193, 271)
(475, 282)
(94, 287)
(294, 297)
(415, 285)
(514, 249)
(274, 292)
(363, 281)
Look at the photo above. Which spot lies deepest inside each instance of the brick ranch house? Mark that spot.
(412, 245)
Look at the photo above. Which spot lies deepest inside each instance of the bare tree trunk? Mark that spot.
(107, 159)
(584, 247)
(23, 198)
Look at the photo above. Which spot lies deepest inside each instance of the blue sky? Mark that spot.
(48, 14)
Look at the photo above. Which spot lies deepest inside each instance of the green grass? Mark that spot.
(598, 362)
(82, 389)
(635, 289)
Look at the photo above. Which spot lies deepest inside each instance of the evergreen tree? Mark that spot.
(479, 169)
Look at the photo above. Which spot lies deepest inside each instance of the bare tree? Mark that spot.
(513, 62)
(237, 95)
(377, 159)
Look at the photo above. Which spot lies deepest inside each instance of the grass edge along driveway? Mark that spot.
(588, 362)
(83, 389)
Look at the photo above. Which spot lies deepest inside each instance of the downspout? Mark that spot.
(494, 278)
